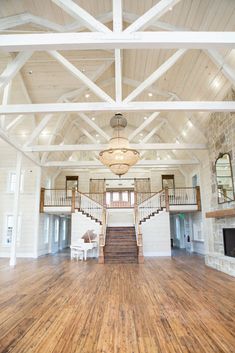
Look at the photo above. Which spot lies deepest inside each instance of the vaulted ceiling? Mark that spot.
(46, 76)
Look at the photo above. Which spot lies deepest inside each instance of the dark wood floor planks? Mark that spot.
(53, 305)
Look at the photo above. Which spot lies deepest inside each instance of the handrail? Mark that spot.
(152, 205)
(149, 193)
(89, 206)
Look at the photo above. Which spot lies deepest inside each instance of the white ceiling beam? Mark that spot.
(94, 77)
(38, 129)
(152, 132)
(219, 61)
(129, 17)
(6, 138)
(148, 121)
(87, 120)
(78, 74)
(97, 40)
(14, 122)
(100, 147)
(77, 93)
(5, 100)
(151, 15)
(81, 15)
(117, 27)
(140, 164)
(58, 125)
(202, 106)
(155, 75)
(135, 83)
(13, 67)
(25, 18)
(87, 134)
(118, 75)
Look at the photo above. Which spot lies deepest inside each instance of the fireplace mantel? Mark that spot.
(227, 212)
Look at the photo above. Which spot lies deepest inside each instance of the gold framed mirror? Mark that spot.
(224, 178)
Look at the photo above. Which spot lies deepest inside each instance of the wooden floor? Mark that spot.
(53, 305)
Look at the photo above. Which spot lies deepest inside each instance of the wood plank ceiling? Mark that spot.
(193, 77)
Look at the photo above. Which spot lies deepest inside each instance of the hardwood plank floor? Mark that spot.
(53, 305)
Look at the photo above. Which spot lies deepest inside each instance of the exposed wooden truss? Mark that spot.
(103, 38)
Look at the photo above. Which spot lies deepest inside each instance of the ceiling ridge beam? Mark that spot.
(151, 15)
(161, 70)
(81, 15)
(79, 75)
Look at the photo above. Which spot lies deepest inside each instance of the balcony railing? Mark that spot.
(96, 201)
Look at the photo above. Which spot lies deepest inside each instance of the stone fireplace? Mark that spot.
(221, 139)
(229, 241)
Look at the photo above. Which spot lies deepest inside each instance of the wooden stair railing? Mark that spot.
(139, 237)
(89, 207)
(102, 236)
(151, 206)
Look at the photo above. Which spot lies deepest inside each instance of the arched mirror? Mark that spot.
(224, 177)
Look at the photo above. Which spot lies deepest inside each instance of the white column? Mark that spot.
(16, 210)
(37, 210)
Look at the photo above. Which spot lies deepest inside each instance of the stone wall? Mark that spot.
(221, 139)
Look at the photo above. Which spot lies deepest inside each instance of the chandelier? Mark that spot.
(119, 157)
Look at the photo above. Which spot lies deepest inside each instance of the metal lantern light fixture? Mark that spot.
(119, 157)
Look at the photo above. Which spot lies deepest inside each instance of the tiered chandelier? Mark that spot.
(119, 157)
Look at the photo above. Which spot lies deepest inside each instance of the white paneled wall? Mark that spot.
(156, 235)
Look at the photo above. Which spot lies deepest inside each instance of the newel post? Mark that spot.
(73, 200)
(198, 198)
(42, 197)
(167, 199)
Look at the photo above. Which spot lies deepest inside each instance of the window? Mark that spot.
(115, 196)
(108, 198)
(56, 230)
(125, 196)
(46, 229)
(64, 229)
(12, 182)
(9, 229)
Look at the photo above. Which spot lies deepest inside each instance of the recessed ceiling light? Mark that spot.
(150, 94)
(141, 134)
(93, 119)
(170, 8)
(97, 135)
(83, 70)
(30, 72)
(87, 95)
(145, 118)
(184, 133)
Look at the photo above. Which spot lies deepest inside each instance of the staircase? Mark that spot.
(120, 245)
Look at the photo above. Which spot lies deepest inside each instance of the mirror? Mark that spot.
(224, 178)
